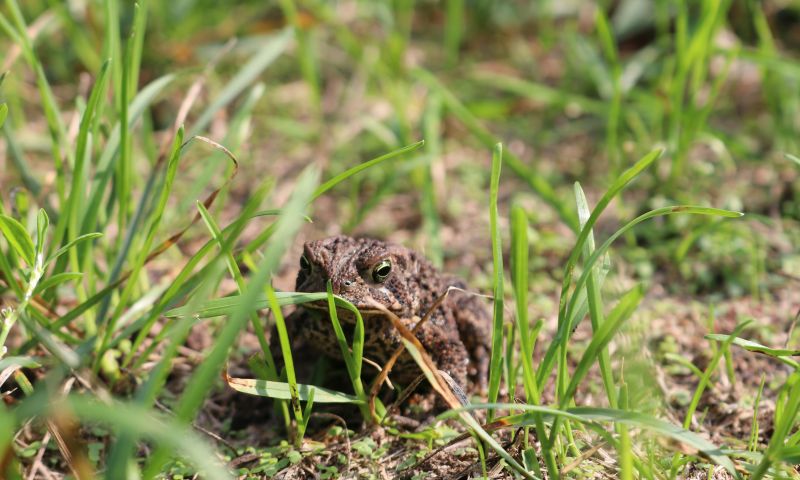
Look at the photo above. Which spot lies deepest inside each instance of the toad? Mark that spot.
(457, 335)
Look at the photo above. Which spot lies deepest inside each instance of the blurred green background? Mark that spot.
(576, 91)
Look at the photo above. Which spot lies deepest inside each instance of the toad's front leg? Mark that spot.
(447, 351)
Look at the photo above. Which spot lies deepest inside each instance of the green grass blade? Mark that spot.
(601, 338)
(710, 368)
(495, 364)
(563, 318)
(69, 220)
(432, 222)
(519, 278)
(590, 415)
(23, 167)
(185, 281)
(266, 55)
(659, 427)
(138, 33)
(155, 222)
(577, 250)
(112, 43)
(752, 346)
(352, 355)
(137, 107)
(227, 305)
(454, 29)
(57, 279)
(464, 416)
(594, 298)
(77, 37)
(105, 166)
(72, 243)
(45, 338)
(145, 424)
(288, 363)
(58, 132)
(172, 337)
(233, 268)
(608, 42)
(42, 224)
(352, 358)
(197, 388)
(783, 424)
(563, 327)
(19, 238)
(363, 166)
(26, 362)
(621, 312)
(683, 209)
(307, 55)
(539, 92)
(123, 174)
(283, 391)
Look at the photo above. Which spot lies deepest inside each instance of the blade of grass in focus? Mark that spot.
(155, 220)
(176, 333)
(288, 366)
(595, 299)
(495, 365)
(197, 388)
(570, 308)
(283, 391)
(527, 338)
(563, 319)
(352, 356)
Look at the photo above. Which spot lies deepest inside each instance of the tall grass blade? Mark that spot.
(71, 216)
(621, 312)
(58, 132)
(108, 326)
(519, 278)
(266, 55)
(352, 357)
(495, 364)
(363, 166)
(233, 268)
(288, 362)
(197, 388)
(564, 328)
(752, 346)
(594, 298)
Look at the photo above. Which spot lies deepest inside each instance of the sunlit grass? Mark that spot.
(95, 288)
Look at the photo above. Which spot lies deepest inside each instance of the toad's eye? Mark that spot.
(305, 265)
(382, 270)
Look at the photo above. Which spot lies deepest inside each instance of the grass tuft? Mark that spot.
(139, 276)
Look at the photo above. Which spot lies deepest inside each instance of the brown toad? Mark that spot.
(457, 336)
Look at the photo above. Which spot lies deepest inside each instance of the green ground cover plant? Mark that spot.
(617, 178)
